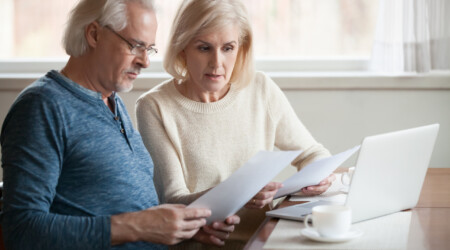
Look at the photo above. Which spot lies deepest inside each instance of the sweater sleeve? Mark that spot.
(169, 177)
(291, 134)
(32, 141)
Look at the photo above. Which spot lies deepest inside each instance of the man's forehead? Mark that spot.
(141, 25)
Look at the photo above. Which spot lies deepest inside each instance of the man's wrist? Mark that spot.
(123, 229)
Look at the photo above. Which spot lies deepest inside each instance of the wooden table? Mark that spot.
(430, 225)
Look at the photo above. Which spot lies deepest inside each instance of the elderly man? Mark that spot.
(76, 173)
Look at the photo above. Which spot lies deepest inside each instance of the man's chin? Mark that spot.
(123, 88)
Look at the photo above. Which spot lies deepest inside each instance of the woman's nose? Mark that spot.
(215, 59)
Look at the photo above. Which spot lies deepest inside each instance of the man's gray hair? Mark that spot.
(112, 13)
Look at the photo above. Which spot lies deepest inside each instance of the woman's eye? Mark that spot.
(203, 48)
(228, 49)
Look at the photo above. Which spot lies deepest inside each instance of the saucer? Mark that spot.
(312, 234)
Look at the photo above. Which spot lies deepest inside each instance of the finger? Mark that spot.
(307, 192)
(216, 241)
(264, 198)
(264, 195)
(233, 220)
(221, 226)
(223, 235)
(315, 190)
(332, 177)
(202, 236)
(328, 180)
(194, 213)
(186, 234)
(189, 225)
(321, 189)
(260, 200)
(257, 204)
(272, 186)
(323, 184)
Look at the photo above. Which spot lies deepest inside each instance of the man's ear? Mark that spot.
(91, 33)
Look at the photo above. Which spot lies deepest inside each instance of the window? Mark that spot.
(313, 28)
(282, 28)
(32, 28)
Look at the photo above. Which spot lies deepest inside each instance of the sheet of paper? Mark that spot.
(314, 173)
(336, 192)
(231, 195)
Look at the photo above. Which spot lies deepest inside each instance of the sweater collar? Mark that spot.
(201, 107)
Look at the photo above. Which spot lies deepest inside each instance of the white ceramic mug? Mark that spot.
(330, 220)
(346, 177)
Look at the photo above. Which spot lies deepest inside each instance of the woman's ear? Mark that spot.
(91, 33)
(182, 56)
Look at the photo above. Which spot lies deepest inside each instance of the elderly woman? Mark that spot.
(217, 112)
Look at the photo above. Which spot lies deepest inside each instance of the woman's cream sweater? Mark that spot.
(197, 145)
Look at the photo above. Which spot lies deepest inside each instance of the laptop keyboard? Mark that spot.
(306, 208)
(297, 212)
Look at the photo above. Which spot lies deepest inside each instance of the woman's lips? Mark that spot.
(213, 76)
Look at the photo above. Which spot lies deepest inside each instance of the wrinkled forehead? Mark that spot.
(141, 24)
(139, 16)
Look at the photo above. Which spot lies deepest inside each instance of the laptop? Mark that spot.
(388, 177)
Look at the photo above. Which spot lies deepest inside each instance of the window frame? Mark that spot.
(289, 73)
(268, 64)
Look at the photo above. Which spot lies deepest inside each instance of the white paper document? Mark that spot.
(232, 194)
(336, 192)
(314, 173)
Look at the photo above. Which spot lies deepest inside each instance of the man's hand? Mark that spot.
(265, 196)
(319, 189)
(165, 224)
(217, 232)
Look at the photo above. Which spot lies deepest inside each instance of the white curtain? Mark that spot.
(412, 36)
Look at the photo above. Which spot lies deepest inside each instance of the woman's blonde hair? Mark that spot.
(112, 13)
(197, 17)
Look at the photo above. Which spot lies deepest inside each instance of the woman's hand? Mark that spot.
(319, 189)
(265, 196)
(217, 232)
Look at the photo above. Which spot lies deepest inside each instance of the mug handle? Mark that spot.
(345, 179)
(305, 221)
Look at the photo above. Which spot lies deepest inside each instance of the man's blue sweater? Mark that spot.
(69, 164)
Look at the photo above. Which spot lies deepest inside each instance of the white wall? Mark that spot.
(339, 110)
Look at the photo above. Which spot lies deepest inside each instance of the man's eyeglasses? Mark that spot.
(138, 49)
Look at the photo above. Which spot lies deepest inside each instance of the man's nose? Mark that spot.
(143, 60)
